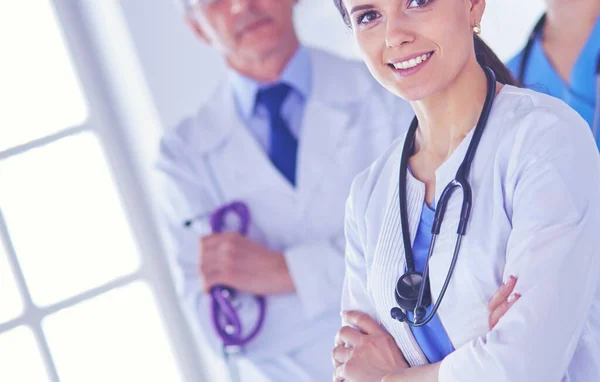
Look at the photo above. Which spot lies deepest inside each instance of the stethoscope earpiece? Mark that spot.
(398, 314)
(420, 312)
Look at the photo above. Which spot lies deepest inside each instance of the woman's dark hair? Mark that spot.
(340, 7)
(485, 55)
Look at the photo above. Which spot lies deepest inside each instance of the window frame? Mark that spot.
(104, 123)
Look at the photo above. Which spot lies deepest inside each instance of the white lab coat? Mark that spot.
(212, 158)
(536, 215)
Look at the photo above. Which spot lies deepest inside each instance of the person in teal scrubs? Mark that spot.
(561, 57)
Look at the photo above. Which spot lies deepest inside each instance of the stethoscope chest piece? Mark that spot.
(408, 288)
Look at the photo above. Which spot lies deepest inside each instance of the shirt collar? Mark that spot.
(297, 74)
(592, 43)
(592, 47)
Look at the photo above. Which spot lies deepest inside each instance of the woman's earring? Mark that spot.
(477, 28)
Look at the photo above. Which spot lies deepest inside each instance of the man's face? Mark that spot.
(245, 28)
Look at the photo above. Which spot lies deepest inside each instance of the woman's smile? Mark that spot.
(410, 65)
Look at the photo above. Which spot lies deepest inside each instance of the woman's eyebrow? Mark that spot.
(360, 8)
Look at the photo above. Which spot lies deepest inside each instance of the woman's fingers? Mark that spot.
(502, 309)
(502, 294)
(363, 321)
(348, 335)
(340, 373)
(341, 354)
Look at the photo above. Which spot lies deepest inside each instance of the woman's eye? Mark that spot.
(418, 3)
(366, 17)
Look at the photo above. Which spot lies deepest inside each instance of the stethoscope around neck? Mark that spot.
(525, 61)
(412, 291)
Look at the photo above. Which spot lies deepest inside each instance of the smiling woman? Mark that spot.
(421, 260)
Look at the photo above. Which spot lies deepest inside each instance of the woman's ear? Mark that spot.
(198, 31)
(477, 10)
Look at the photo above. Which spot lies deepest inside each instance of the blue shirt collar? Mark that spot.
(297, 74)
(591, 47)
(579, 82)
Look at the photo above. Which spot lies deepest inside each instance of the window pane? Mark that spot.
(40, 93)
(65, 218)
(20, 357)
(114, 337)
(11, 305)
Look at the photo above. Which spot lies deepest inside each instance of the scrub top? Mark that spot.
(580, 91)
(432, 338)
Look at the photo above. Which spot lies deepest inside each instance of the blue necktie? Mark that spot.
(284, 146)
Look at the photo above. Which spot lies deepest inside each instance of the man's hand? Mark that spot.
(230, 259)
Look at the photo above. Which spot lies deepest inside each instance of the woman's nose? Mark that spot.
(398, 32)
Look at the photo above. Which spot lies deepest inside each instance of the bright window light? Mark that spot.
(11, 304)
(65, 219)
(115, 337)
(39, 90)
(21, 360)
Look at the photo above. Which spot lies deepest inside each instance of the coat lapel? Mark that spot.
(389, 262)
(329, 115)
(323, 130)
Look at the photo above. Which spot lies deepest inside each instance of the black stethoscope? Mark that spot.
(525, 60)
(412, 290)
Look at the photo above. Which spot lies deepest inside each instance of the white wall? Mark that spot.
(181, 72)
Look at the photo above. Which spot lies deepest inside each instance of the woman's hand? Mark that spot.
(367, 353)
(500, 303)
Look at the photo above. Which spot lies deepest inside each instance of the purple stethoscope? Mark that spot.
(226, 322)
